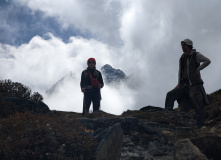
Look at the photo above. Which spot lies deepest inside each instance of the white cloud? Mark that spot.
(149, 33)
(100, 18)
(69, 98)
(48, 60)
(41, 63)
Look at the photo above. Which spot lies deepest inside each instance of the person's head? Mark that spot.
(91, 62)
(186, 45)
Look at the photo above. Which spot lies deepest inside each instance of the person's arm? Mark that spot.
(201, 58)
(82, 83)
(179, 75)
(101, 80)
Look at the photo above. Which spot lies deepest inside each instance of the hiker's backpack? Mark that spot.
(94, 82)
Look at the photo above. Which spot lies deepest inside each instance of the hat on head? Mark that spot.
(91, 59)
(188, 42)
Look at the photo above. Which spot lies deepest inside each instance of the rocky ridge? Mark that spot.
(112, 75)
(150, 133)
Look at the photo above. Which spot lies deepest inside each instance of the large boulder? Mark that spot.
(110, 146)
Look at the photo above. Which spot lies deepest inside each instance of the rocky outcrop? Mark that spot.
(112, 75)
(167, 126)
(143, 139)
(150, 133)
(153, 133)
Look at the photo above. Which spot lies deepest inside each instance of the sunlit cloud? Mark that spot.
(142, 38)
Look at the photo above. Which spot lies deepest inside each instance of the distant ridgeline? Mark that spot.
(15, 97)
(112, 75)
(60, 83)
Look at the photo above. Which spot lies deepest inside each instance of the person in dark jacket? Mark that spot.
(91, 93)
(190, 85)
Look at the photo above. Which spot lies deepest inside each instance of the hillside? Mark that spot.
(150, 133)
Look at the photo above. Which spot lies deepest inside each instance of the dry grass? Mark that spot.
(44, 136)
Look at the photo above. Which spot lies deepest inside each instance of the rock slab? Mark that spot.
(185, 150)
(110, 146)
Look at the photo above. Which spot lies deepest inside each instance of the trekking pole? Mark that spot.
(100, 101)
(83, 107)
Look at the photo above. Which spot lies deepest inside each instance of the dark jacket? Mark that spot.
(193, 66)
(86, 80)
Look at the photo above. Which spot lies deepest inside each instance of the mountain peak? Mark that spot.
(112, 75)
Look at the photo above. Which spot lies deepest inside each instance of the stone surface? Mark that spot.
(185, 150)
(154, 133)
(209, 144)
(110, 146)
(112, 75)
(150, 133)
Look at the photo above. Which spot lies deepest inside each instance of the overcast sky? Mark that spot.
(42, 41)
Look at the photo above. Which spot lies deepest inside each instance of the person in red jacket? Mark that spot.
(91, 84)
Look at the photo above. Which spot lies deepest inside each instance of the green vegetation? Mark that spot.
(28, 134)
(15, 89)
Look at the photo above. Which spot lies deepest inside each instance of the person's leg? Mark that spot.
(185, 103)
(197, 99)
(172, 96)
(96, 101)
(87, 102)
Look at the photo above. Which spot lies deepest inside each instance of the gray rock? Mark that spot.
(185, 150)
(112, 75)
(110, 146)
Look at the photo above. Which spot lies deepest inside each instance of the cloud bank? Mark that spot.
(142, 38)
